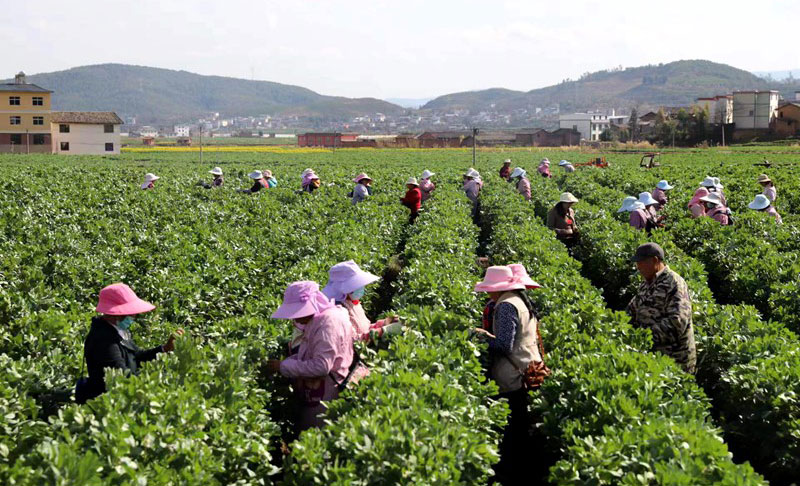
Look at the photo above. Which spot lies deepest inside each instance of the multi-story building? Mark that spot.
(24, 117)
(85, 132)
(755, 110)
(183, 130)
(720, 109)
(590, 125)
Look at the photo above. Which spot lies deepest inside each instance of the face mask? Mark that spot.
(358, 293)
(125, 324)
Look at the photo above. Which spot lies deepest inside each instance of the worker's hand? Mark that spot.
(273, 366)
(170, 346)
(567, 231)
(482, 333)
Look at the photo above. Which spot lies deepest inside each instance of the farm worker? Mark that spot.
(696, 206)
(271, 181)
(217, 182)
(426, 187)
(639, 218)
(561, 219)
(472, 185)
(712, 184)
(664, 306)
(505, 171)
(544, 168)
(322, 364)
(109, 343)
(413, 198)
(568, 167)
(361, 191)
(523, 184)
(769, 187)
(516, 357)
(660, 193)
(762, 203)
(258, 182)
(311, 182)
(715, 209)
(346, 286)
(650, 205)
(149, 180)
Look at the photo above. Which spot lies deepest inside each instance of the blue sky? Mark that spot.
(389, 49)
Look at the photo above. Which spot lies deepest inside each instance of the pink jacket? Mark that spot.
(524, 188)
(326, 348)
(359, 320)
(771, 193)
(426, 187)
(697, 210)
(719, 214)
(639, 219)
(544, 170)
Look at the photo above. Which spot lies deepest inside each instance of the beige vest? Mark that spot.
(507, 371)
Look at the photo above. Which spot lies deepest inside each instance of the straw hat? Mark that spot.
(119, 300)
(150, 177)
(518, 172)
(412, 181)
(256, 174)
(664, 186)
(360, 177)
(426, 174)
(647, 199)
(760, 202)
(499, 279)
(216, 171)
(507, 162)
(567, 197)
(267, 174)
(764, 178)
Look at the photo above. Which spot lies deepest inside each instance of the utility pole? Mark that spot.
(474, 144)
(27, 142)
(201, 144)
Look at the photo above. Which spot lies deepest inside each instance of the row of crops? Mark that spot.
(216, 262)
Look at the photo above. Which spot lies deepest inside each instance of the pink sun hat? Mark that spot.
(521, 274)
(499, 279)
(302, 299)
(119, 300)
(361, 176)
(346, 277)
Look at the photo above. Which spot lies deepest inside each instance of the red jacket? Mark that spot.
(412, 199)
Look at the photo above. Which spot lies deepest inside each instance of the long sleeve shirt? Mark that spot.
(560, 224)
(326, 348)
(697, 210)
(360, 193)
(719, 214)
(639, 219)
(660, 196)
(524, 188)
(426, 187)
(472, 189)
(505, 172)
(771, 193)
(412, 200)
(506, 323)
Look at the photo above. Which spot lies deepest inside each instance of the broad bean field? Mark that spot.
(216, 262)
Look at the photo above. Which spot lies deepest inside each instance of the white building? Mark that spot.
(148, 131)
(85, 132)
(591, 125)
(720, 108)
(754, 109)
(183, 130)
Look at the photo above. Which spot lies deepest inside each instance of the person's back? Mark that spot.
(426, 187)
(472, 189)
(639, 219)
(524, 188)
(719, 214)
(360, 193)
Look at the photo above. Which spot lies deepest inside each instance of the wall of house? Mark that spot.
(584, 126)
(26, 144)
(754, 110)
(85, 139)
(26, 111)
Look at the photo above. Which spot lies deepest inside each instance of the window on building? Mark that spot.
(16, 139)
(751, 113)
(13, 100)
(38, 120)
(16, 120)
(65, 146)
(109, 147)
(38, 139)
(38, 101)
(63, 128)
(108, 128)
(574, 128)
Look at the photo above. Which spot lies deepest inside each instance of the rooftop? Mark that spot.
(88, 117)
(22, 88)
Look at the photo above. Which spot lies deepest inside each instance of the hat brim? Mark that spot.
(255, 176)
(294, 310)
(498, 287)
(138, 306)
(757, 208)
(636, 259)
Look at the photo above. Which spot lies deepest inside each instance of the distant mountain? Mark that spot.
(156, 95)
(413, 103)
(678, 83)
(779, 75)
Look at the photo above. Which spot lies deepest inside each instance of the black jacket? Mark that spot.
(105, 348)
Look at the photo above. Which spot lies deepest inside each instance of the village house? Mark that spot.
(331, 139)
(561, 137)
(442, 139)
(85, 132)
(591, 125)
(24, 117)
(787, 123)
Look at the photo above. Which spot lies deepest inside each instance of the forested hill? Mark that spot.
(161, 95)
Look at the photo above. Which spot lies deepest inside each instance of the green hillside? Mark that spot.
(156, 95)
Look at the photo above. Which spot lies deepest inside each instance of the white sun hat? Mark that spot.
(216, 171)
(567, 197)
(518, 172)
(627, 204)
(647, 199)
(472, 173)
(563, 163)
(507, 161)
(664, 186)
(760, 202)
(426, 174)
(718, 183)
(712, 198)
(412, 181)
(150, 177)
(256, 174)
(709, 182)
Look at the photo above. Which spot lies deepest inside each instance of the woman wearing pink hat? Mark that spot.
(310, 182)
(109, 343)
(514, 348)
(362, 189)
(696, 206)
(346, 287)
(322, 365)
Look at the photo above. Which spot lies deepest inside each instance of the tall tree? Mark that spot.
(633, 125)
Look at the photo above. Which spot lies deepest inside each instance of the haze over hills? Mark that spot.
(157, 95)
(678, 83)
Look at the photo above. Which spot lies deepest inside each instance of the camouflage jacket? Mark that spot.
(665, 307)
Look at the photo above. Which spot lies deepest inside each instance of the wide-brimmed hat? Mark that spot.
(267, 173)
(302, 299)
(545, 161)
(760, 202)
(426, 174)
(360, 177)
(346, 277)
(708, 182)
(712, 198)
(412, 181)
(499, 279)
(627, 204)
(764, 178)
(306, 172)
(647, 199)
(472, 173)
(664, 186)
(507, 161)
(700, 193)
(256, 174)
(216, 171)
(521, 274)
(564, 162)
(567, 197)
(150, 177)
(717, 183)
(518, 172)
(119, 300)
